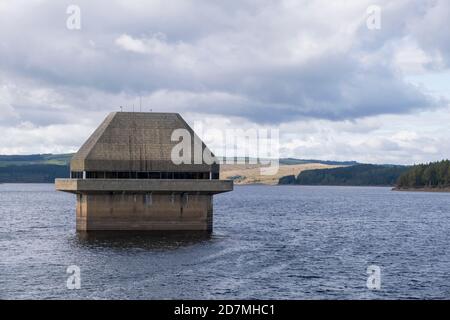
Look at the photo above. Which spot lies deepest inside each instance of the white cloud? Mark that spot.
(128, 43)
(153, 45)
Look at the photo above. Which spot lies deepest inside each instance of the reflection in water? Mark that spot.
(155, 240)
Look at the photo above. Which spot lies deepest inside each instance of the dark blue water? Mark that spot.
(268, 243)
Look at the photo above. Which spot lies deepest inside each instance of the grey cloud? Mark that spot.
(226, 58)
(431, 31)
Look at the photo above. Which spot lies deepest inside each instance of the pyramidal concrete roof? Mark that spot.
(136, 141)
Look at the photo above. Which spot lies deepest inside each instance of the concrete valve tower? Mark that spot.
(124, 177)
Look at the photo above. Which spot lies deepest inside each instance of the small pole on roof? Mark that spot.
(140, 103)
(121, 109)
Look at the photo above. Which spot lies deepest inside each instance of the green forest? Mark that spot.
(431, 175)
(357, 175)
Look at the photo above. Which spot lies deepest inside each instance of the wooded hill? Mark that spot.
(357, 175)
(431, 175)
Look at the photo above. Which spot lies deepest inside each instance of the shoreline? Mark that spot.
(446, 189)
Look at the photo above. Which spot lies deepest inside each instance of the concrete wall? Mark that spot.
(144, 211)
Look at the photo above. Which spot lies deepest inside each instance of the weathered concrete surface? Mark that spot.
(141, 142)
(142, 212)
(150, 185)
(137, 141)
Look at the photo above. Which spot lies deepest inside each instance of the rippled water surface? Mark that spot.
(268, 243)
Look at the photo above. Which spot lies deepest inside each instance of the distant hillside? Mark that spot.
(357, 175)
(44, 168)
(33, 173)
(289, 161)
(292, 161)
(57, 159)
(37, 168)
(251, 173)
(435, 175)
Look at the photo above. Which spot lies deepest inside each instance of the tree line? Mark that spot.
(357, 175)
(431, 175)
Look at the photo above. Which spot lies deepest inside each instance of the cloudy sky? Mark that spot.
(335, 88)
